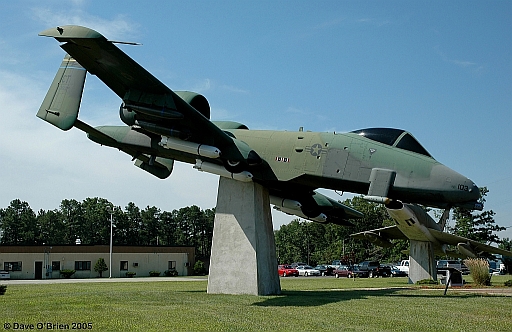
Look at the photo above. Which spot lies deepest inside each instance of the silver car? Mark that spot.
(306, 270)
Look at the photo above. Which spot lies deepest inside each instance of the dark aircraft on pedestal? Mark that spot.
(412, 223)
(163, 126)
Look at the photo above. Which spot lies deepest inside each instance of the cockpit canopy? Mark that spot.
(394, 137)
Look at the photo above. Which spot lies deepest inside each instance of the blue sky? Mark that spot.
(441, 70)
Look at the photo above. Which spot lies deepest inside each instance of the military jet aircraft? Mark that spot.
(414, 223)
(162, 125)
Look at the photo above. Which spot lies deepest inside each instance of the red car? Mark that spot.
(349, 272)
(287, 271)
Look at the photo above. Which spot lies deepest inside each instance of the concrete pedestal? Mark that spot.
(243, 257)
(422, 262)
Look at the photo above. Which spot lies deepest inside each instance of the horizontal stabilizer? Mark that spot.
(62, 102)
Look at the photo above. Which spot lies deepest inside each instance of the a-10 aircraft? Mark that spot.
(385, 165)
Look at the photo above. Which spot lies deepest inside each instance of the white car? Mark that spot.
(5, 275)
(306, 270)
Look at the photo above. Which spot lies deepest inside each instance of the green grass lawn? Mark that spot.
(307, 304)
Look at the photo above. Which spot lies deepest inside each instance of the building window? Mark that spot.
(12, 266)
(56, 266)
(82, 265)
(124, 266)
(171, 265)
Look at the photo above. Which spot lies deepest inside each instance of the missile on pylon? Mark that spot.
(202, 150)
(285, 202)
(322, 218)
(203, 166)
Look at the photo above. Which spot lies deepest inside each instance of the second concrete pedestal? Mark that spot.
(422, 263)
(243, 257)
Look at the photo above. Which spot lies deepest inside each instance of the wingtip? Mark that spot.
(70, 31)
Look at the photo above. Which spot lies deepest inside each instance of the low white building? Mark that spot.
(46, 262)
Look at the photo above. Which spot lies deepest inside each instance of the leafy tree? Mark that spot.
(506, 244)
(478, 226)
(51, 227)
(71, 214)
(133, 224)
(170, 228)
(19, 224)
(150, 225)
(100, 266)
(96, 218)
(196, 229)
(375, 216)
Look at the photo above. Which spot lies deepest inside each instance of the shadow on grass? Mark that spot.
(319, 298)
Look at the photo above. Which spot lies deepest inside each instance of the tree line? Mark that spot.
(88, 223)
(298, 241)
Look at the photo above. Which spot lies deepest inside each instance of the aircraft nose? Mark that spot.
(459, 189)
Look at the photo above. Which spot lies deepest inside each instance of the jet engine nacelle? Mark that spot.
(197, 101)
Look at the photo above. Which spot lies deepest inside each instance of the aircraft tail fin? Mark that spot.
(62, 102)
(444, 219)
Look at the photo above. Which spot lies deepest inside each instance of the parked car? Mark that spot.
(325, 270)
(404, 266)
(287, 271)
(375, 269)
(350, 272)
(5, 275)
(294, 265)
(306, 270)
(396, 272)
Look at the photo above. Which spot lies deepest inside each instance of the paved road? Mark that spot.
(70, 281)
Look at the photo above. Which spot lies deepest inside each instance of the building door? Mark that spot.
(39, 270)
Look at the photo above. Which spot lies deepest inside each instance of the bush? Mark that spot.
(100, 266)
(426, 282)
(508, 283)
(154, 273)
(479, 270)
(130, 274)
(171, 273)
(67, 273)
(199, 268)
(3, 288)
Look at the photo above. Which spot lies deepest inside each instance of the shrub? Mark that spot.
(130, 274)
(199, 268)
(100, 266)
(479, 270)
(154, 273)
(508, 283)
(67, 273)
(426, 282)
(171, 273)
(3, 288)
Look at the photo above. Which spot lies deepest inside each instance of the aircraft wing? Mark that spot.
(321, 209)
(142, 93)
(381, 236)
(463, 244)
